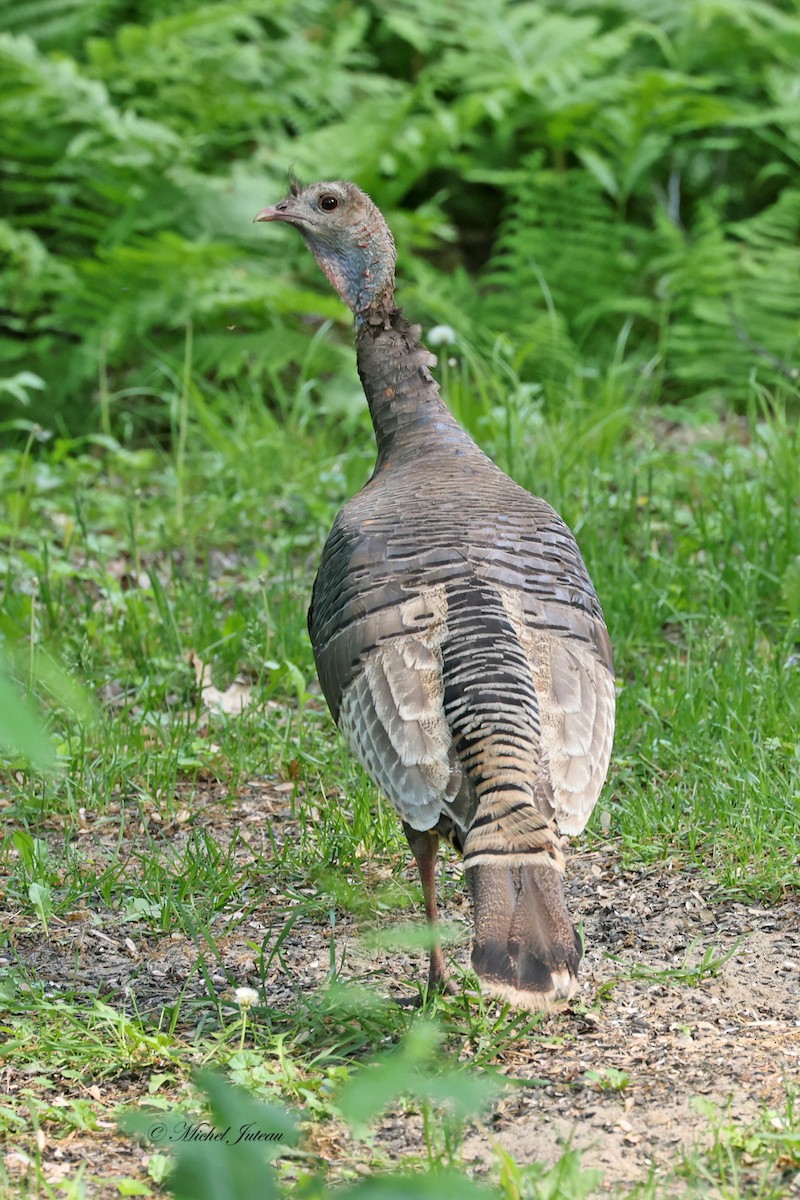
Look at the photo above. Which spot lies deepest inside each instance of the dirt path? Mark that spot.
(618, 1076)
(733, 1038)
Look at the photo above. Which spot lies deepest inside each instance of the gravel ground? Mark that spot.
(731, 1035)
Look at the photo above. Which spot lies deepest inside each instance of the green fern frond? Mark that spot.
(71, 157)
(54, 24)
(732, 297)
(563, 248)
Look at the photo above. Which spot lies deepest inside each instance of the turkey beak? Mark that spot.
(279, 212)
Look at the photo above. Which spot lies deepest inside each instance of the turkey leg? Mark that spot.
(424, 846)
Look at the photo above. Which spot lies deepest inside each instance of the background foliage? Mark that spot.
(601, 200)
(575, 175)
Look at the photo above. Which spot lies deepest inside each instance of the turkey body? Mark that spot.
(462, 651)
(459, 641)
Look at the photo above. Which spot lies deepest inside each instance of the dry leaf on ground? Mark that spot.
(232, 701)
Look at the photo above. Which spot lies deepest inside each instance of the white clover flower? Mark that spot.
(245, 997)
(442, 335)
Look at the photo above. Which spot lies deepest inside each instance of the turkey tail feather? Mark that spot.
(525, 950)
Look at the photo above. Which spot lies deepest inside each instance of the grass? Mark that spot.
(123, 559)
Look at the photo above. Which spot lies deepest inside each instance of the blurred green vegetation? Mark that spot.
(585, 179)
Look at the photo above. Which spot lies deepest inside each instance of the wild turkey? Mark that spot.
(458, 639)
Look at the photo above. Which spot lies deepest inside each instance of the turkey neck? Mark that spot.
(408, 414)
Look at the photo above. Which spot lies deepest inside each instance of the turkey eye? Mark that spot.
(328, 203)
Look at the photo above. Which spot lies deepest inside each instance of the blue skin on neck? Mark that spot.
(360, 274)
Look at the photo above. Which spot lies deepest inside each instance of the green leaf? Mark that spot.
(41, 898)
(416, 1070)
(20, 729)
(600, 169)
(221, 1159)
(417, 1187)
(790, 589)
